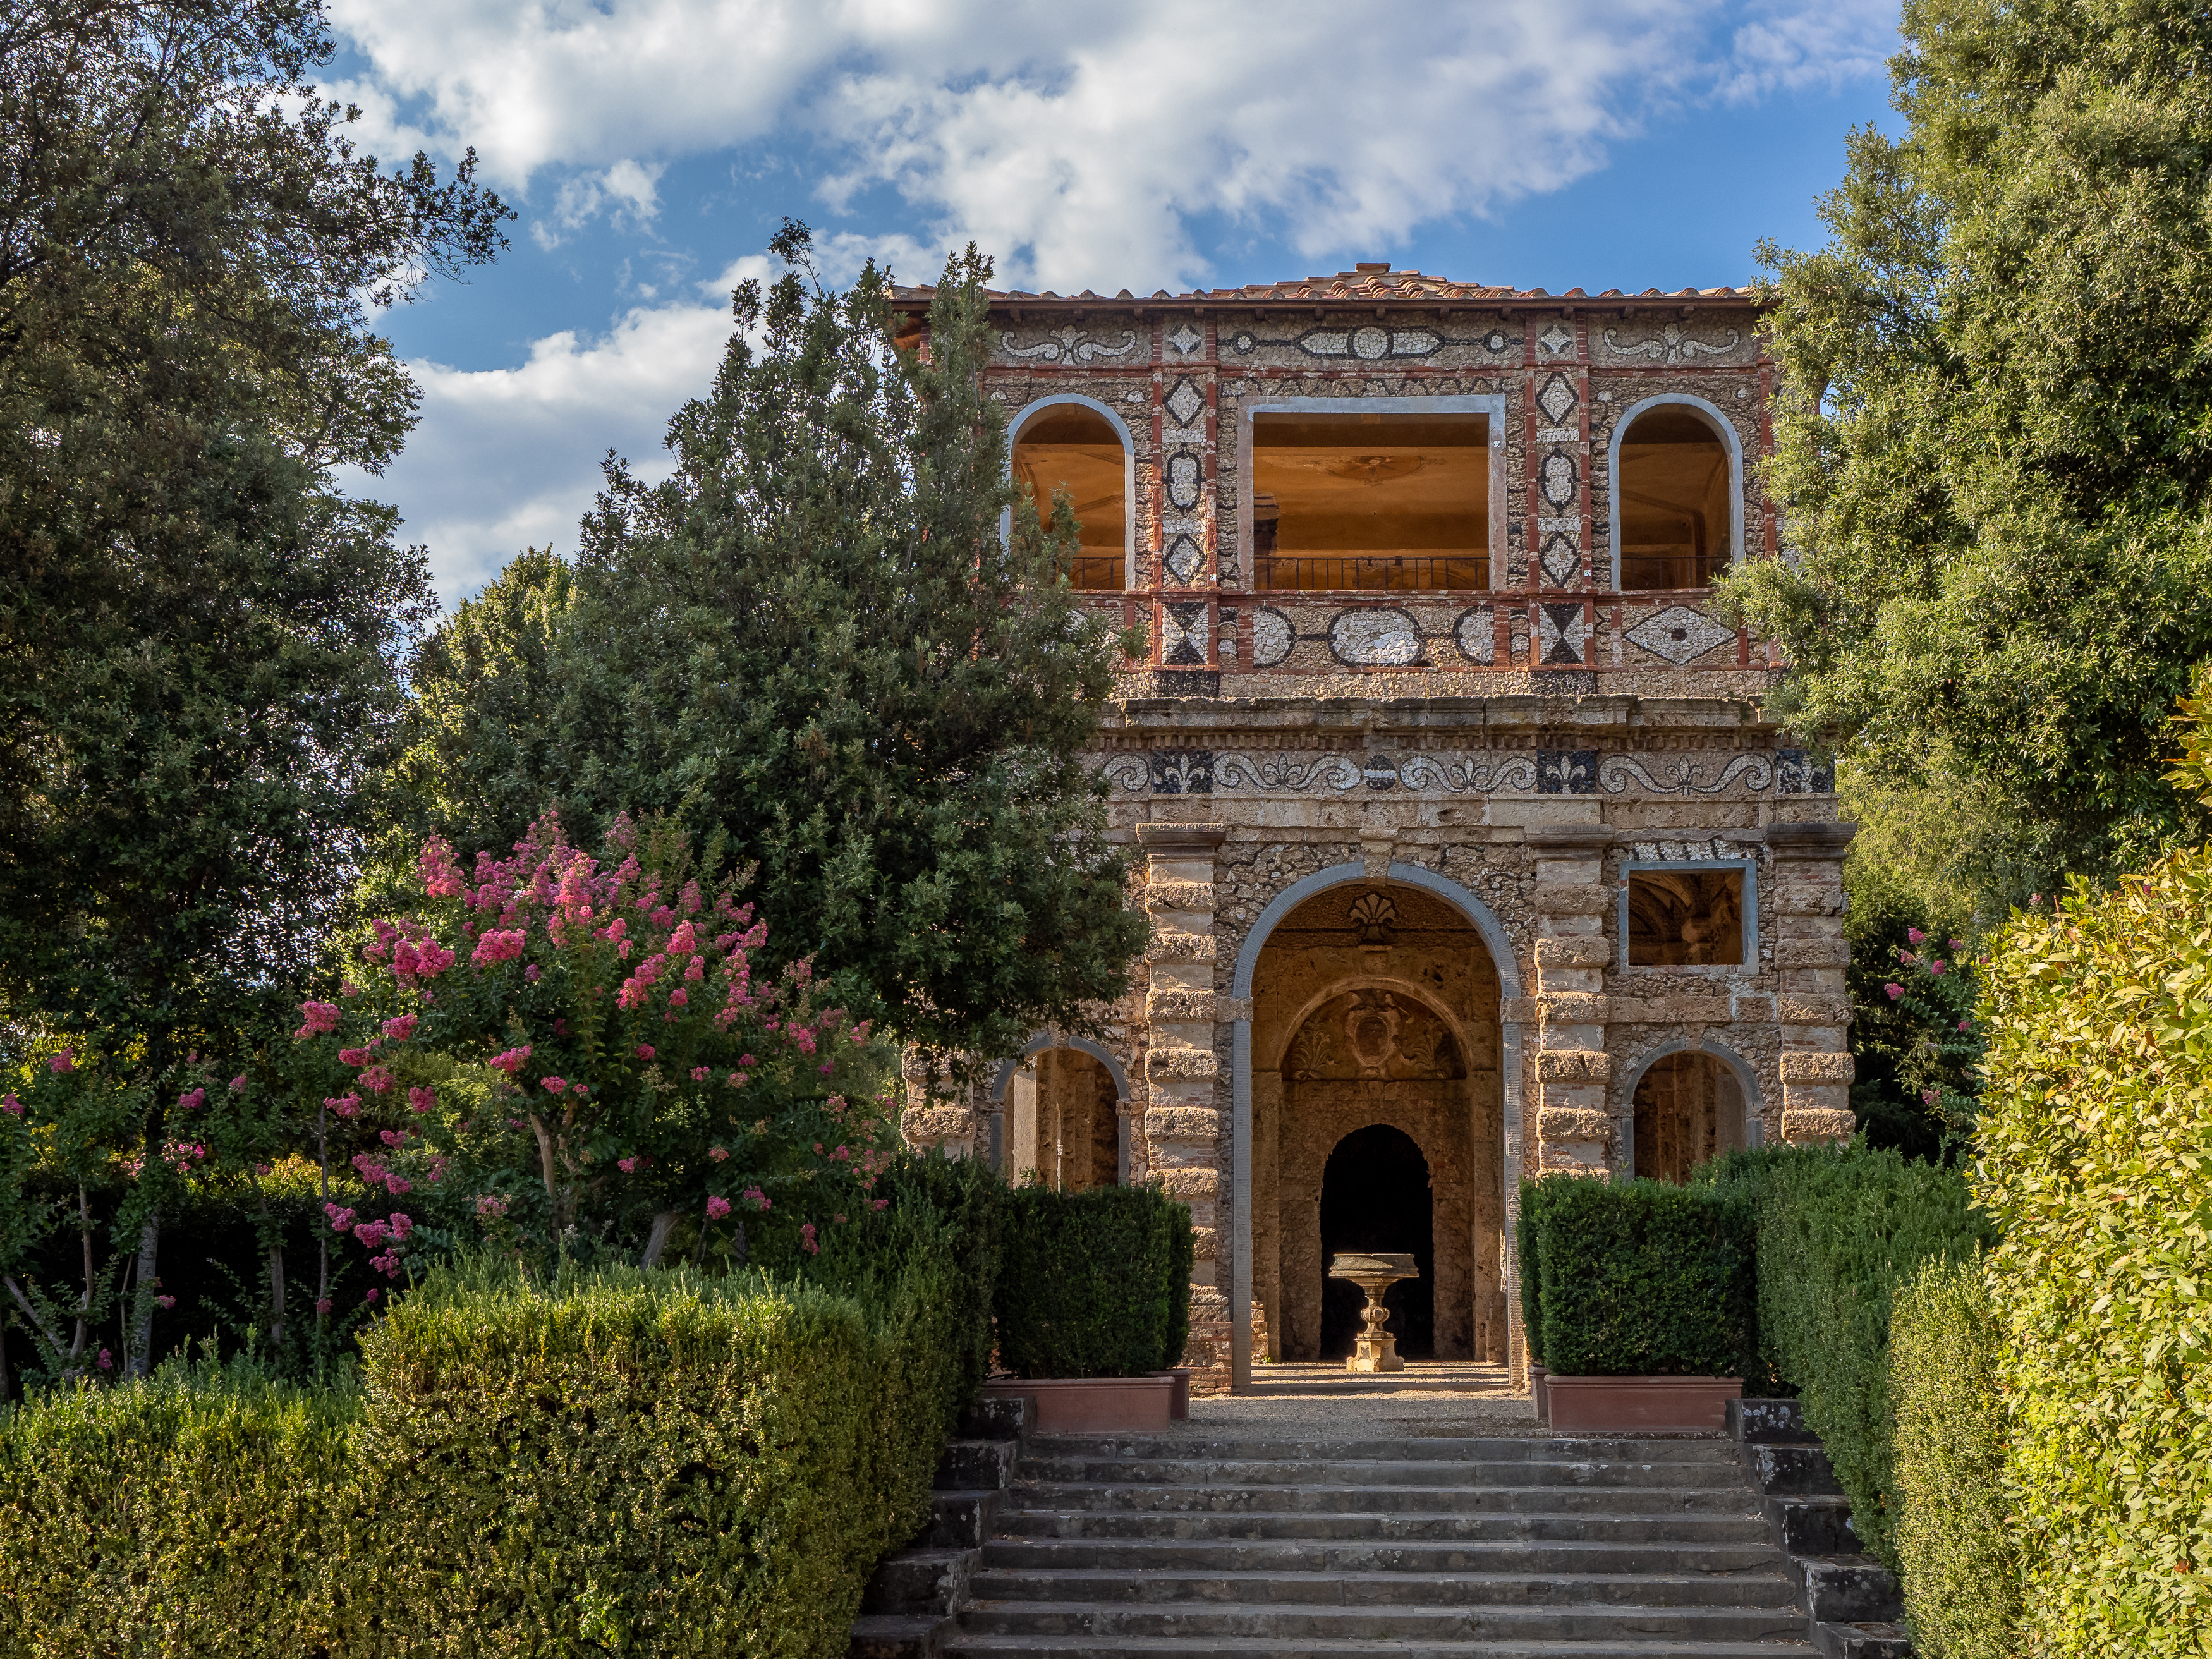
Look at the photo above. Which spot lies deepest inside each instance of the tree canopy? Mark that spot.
(1994, 438)
(817, 639)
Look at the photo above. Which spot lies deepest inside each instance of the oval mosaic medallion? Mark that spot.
(1374, 639)
(1272, 637)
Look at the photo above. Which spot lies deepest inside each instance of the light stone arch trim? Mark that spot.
(1038, 1042)
(1029, 412)
(1724, 429)
(1500, 947)
(1747, 1077)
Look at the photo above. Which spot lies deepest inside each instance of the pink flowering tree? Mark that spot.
(560, 1048)
(1919, 1023)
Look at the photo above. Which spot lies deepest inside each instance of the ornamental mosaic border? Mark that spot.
(1528, 772)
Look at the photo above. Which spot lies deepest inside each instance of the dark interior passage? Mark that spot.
(1374, 1196)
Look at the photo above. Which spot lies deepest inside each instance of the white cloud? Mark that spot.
(626, 192)
(509, 458)
(1081, 143)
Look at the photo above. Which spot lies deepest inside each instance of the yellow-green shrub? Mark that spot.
(2097, 1162)
(1957, 1541)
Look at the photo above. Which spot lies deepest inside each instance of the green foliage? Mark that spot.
(1093, 1283)
(1838, 1231)
(814, 639)
(2096, 1143)
(1640, 1277)
(626, 1461)
(1991, 454)
(1957, 1538)
(1529, 1245)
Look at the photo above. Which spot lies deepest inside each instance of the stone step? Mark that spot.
(1423, 1592)
(1289, 1621)
(1448, 1555)
(1332, 1497)
(1706, 1449)
(1689, 1529)
(1269, 1647)
(1300, 1472)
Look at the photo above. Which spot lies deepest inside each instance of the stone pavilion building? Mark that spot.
(1468, 849)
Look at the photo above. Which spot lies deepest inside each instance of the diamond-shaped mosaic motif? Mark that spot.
(1561, 562)
(1555, 339)
(1186, 402)
(1557, 479)
(1561, 631)
(1679, 633)
(1184, 560)
(1186, 340)
(1557, 399)
(1182, 635)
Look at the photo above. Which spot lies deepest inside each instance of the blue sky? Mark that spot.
(651, 147)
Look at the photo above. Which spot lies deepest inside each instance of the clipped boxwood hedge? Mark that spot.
(655, 1461)
(1640, 1278)
(1094, 1283)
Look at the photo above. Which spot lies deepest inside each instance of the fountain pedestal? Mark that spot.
(1377, 1350)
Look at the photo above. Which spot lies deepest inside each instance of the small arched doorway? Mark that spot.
(1689, 1108)
(1673, 495)
(1375, 1195)
(1072, 446)
(1060, 1121)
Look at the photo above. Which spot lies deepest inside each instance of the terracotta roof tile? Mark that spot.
(1371, 283)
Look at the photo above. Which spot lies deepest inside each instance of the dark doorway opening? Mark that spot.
(1374, 1196)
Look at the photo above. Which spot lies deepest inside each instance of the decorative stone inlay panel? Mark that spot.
(1557, 480)
(1679, 633)
(1186, 402)
(1691, 852)
(1561, 633)
(1556, 340)
(1557, 399)
(1685, 777)
(1182, 635)
(1186, 480)
(1561, 561)
(1795, 774)
(1185, 341)
(1475, 633)
(1673, 344)
(1370, 343)
(1184, 560)
(1273, 636)
(1376, 638)
(1566, 772)
(1182, 771)
(1069, 345)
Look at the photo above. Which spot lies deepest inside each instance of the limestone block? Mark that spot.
(1571, 898)
(1198, 1123)
(1810, 1097)
(1802, 898)
(1585, 1157)
(1179, 896)
(1572, 1008)
(936, 1125)
(1181, 1062)
(1813, 982)
(1803, 1125)
(1183, 1091)
(1812, 953)
(1171, 946)
(1591, 925)
(1590, 869)
(1588, 952)
(1205, 1240)
(1564, 981)
(1685, 1008)
(1815, 1039)
(1814, 1010)
(1564, 1123)
(1191, 1184)
(1574, 1065)
(1818, 1069)
(1576, 1096)
(1809, 842)
(1167, 1003)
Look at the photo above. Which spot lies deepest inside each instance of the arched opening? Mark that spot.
(1060, 1125)
(1069, 445)
(1375, 1007)
(1374, 1196)
(1689, 1108)
(1674, 501)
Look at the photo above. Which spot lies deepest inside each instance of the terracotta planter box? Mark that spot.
(1641, 1402)
(1090, 1404)
(1179, 1410)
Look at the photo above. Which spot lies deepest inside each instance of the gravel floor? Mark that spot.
(1443, 1399)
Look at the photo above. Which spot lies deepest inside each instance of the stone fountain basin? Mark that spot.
(1363, 1265)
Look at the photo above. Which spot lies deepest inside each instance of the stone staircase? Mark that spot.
(1262, 1542)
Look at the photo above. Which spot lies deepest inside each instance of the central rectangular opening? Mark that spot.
(1373, 501)
(1686, 918)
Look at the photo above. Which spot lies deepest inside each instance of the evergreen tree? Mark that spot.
(1995, 441)
(816, 639)
(199, 635)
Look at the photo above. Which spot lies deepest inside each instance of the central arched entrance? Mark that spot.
(1374, 1196)
(1375, 1014)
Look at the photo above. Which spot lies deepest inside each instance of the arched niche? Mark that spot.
(1687, 1101)
(1080, 443)
(1676, 468)
(1060, 1108)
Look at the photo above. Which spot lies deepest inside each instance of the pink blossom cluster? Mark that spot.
(182, 1155)
(717, 1207)
(510, 1061)
(191, 1100)
(497, 946)
(490, 1208)
(12, 1106)
(65, 1061)
(322, 1018)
